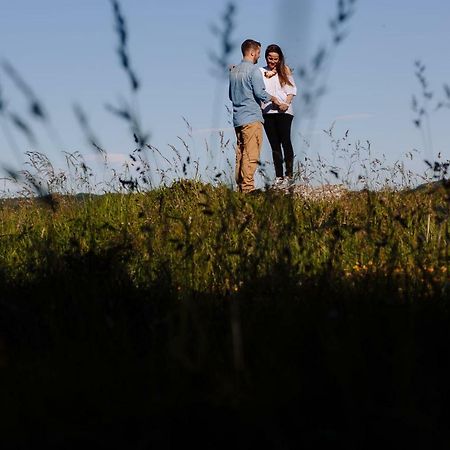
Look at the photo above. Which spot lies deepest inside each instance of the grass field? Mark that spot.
(194, 312)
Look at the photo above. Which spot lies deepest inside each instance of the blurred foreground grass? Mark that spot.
(193, 312)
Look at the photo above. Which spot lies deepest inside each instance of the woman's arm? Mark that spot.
(289, 98)
(290, 91)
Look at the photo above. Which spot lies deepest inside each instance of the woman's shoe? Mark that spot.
(278, 183)
(287, 182)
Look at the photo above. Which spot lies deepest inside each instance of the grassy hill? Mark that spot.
(194, 312)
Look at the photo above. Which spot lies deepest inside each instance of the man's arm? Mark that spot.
(261, 94)
(259, 89)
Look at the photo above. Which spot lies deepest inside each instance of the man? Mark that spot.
(246, 92)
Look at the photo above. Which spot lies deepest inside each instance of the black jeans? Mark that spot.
(278, 131)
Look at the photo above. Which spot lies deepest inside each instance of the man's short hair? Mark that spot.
(249, 44)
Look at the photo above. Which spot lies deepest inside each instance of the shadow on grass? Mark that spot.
(86, 358)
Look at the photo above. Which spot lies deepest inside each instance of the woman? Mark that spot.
(279, 83)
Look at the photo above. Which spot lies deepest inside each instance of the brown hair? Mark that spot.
(249, 44)
(282, 69)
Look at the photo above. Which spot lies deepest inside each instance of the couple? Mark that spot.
(261, 95)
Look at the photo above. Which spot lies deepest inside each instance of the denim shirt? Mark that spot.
(246, 92)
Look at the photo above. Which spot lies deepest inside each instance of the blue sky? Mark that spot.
(66, 51)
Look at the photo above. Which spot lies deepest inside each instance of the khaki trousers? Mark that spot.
(248, 147)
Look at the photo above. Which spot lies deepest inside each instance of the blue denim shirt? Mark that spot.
(246, 92)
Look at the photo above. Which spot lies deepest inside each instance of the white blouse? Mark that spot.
(274, 88)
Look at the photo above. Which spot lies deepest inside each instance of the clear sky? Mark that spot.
(65, 50)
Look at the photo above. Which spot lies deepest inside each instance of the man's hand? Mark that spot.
(275, 101)
(281, 106)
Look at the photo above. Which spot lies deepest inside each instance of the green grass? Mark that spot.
(214, 241)
(126, 318)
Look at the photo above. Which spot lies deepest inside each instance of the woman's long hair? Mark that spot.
(281, 66)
